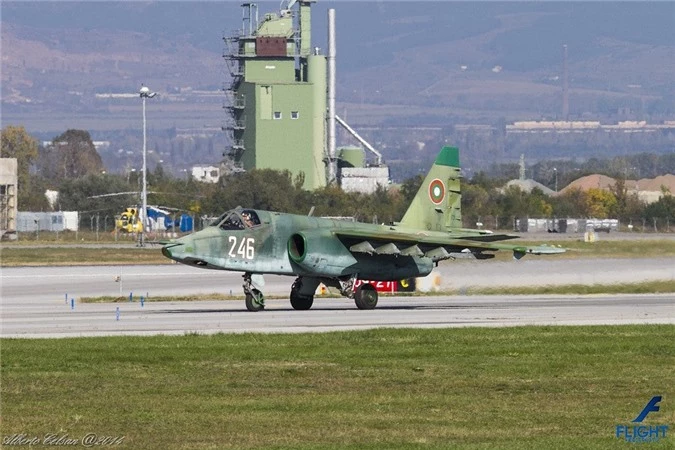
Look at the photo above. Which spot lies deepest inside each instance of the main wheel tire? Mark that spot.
(301, 302)
(255, 301)
(365, 296)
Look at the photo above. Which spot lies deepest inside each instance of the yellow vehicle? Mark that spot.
(129, 221)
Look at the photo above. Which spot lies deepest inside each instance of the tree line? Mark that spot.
(71, 166)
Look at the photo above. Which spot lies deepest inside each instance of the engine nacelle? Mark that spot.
(319, 252)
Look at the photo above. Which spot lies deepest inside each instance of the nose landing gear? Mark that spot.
(255, 300)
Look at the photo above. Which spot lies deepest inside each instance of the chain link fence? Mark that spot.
(570, 225)
(96, 227)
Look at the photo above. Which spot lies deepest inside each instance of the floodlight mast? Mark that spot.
(144, 93)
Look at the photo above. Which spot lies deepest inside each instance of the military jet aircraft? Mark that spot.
(338, 252)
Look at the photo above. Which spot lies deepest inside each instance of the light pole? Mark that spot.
(145, 93)
(555, 170)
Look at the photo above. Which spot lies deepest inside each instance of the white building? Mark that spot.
(47, 221)
(206, 174)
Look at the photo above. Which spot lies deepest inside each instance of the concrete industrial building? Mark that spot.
(281, 98)
(8, 198)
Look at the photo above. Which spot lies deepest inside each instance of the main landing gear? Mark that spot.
(365, 296)
(302, 292)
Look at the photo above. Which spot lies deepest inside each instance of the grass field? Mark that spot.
(514, 388)
(646, 287)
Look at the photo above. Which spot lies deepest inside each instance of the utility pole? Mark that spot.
(145, 93)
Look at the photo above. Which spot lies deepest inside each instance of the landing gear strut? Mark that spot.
(255, 300)
(300, 299)
(347, 286)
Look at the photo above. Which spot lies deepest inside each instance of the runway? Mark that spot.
(36, 301)
(55, 318)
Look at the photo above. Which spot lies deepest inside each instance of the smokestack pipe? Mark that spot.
(332, 161)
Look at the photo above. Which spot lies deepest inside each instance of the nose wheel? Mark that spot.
(255, 300)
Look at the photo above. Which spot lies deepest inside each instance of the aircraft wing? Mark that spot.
(433, 246)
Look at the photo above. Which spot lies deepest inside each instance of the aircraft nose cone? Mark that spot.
(169, 249)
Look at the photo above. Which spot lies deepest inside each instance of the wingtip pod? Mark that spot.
(519, 252)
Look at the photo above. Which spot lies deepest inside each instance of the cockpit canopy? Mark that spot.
(237, 219)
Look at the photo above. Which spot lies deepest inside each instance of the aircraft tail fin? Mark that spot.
(437, 205)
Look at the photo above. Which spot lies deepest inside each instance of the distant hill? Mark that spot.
(647, 189)
(388, 52)
(400, 64)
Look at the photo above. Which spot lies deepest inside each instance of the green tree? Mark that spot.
(17, 143)
(477, 201)
(600, 203)
(261, 188)
(664, 208)
(513, 202)
(571, 203)
(70, 155)
(410, 187)
(628, 206)
(538, 204)
(85, 194)
(333, 201)
(32, 197)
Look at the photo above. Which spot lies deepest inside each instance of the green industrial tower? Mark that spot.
(276, 101)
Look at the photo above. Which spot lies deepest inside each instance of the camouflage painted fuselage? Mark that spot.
(287, 244)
